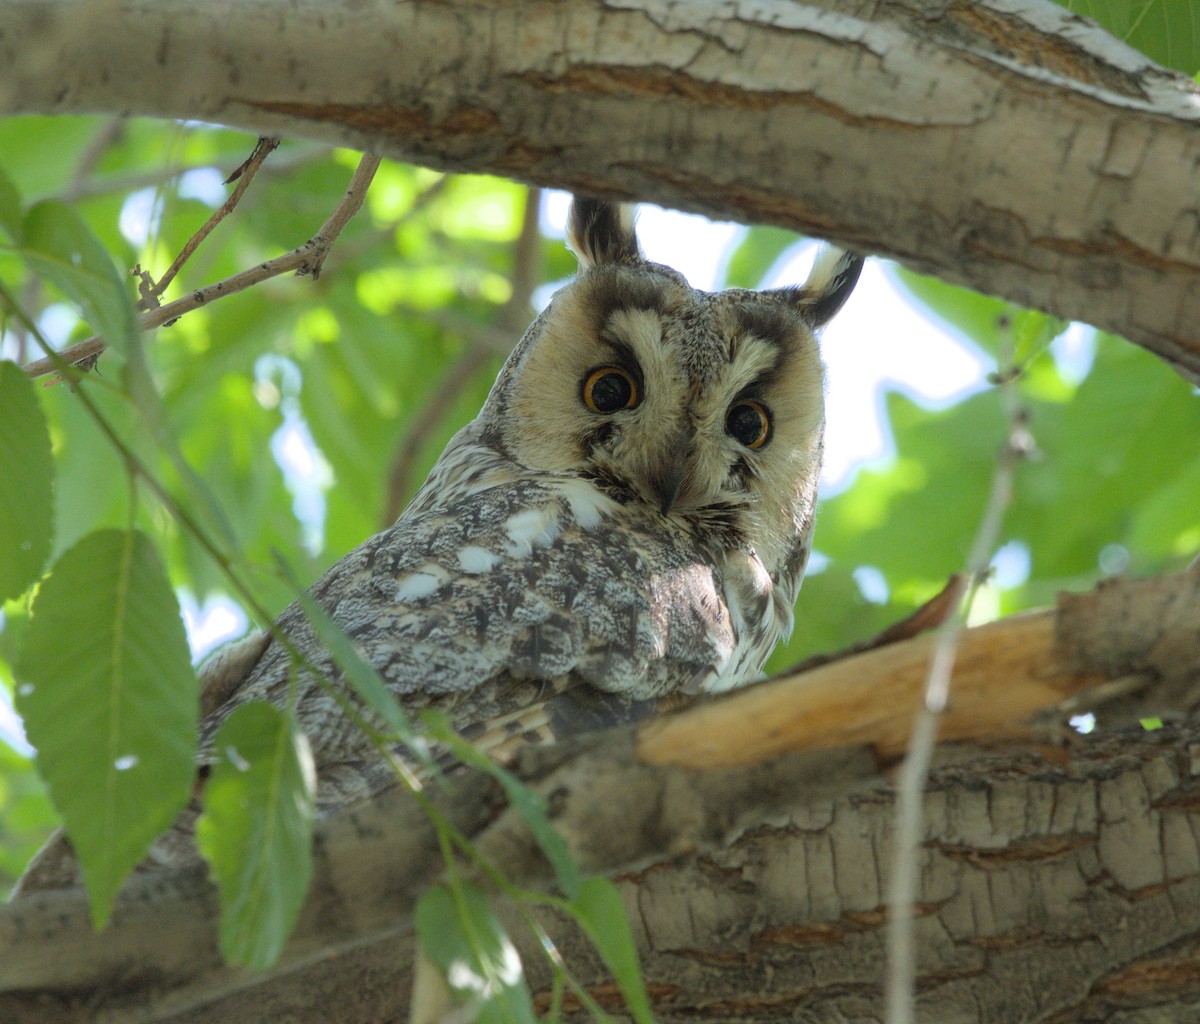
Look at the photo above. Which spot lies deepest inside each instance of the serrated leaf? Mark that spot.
(256, 830)
(60, 247)
(528, 804)
(10, 209)
(459, 933)
(26, 484)
(106, 686)
(601, 911)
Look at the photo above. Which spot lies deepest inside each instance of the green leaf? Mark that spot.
(528, 804)
(10, 209)
(60, 246)
(256, 830)
(459, 933)
(110, 702)
(26, 483)
(601, 911)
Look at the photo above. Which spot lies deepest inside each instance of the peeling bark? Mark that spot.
(1058, 882)
(1001, 144)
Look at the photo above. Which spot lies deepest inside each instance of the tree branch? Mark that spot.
(1029, 154)
(623, 800)
(243, 175)
(305, 259)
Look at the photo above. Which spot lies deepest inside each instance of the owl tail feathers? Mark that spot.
(833, 278)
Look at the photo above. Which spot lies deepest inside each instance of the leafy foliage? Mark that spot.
(26, 484)
(110, 702)
(256, 830)
(459, 933)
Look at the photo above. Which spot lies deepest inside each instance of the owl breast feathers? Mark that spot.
(628, 517)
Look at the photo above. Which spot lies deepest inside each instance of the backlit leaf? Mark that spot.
(109, 697)
(461, 935)
(61, 247)
(26, 483)
(10, 209)
(601, 911)
(256, 830)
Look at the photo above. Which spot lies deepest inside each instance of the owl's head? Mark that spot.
(706, 408)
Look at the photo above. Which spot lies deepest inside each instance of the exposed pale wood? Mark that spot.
(1005, 672)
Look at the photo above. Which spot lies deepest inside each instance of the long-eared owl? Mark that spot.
(628, 517)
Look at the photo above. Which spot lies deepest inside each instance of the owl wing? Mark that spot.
(506, 599)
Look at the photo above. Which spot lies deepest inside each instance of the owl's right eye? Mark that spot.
(609, 389)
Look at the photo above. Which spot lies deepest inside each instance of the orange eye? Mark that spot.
(609, 389)
(749, 423)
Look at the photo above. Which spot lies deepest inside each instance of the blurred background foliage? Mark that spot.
(307, 412)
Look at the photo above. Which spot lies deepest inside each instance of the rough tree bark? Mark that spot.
(1060, 883)
(1000, 144)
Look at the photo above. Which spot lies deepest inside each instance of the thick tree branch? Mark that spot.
(696, 786)
(1028, 154)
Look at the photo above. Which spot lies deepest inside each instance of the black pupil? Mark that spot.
(745, 424)
(611, 392)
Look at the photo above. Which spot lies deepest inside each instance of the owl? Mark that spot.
(628, 519)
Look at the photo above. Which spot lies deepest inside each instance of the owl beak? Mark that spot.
(668, 481)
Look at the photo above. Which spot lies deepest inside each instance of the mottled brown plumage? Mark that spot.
(542, 555)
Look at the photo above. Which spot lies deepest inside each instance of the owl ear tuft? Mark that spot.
(600, 232)
(833, 278)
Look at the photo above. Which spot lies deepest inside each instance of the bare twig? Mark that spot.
(902, 894)
(305, 259)
(513, 317)
(243, 175)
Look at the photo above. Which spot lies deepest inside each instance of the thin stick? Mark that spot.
(305, 259)
(243, 175)
(902, 894)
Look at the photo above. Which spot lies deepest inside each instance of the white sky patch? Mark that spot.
(1011, 565)
(211, 624)
(1074, 351)
(872, 584)
(56, 323)
(12, 731)
(306, 472)
(205, 184)
(139, 216)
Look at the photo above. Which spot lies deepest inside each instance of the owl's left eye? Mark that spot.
(749, 423)
(609, 389)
